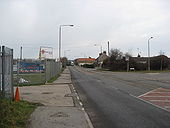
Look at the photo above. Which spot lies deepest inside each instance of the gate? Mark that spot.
(6, 72)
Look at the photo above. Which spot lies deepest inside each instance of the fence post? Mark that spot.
(45, 70)
(12, 80)
(3, 71)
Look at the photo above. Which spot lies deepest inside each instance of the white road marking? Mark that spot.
(149, 103)
(78, 98)
(148, 92)
(160, 101)
(155, 96)
(80, 103)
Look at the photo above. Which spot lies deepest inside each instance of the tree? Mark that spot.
(115, 54)
(64, 62)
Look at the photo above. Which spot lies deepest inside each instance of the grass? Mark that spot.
(15, 114)
(33, 79)
(53, 79)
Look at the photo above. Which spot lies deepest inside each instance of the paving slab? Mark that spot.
(58, 117)
(64, 79)
(51, 95)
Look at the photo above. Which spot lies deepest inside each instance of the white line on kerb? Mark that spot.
(88, 120)
(78, 98)
(81, 103)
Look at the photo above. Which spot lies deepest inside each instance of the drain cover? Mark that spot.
(47, 93)
(60, 114)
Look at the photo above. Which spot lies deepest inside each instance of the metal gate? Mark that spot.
(6, 72)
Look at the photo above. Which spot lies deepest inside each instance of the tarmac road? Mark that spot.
(111, 98)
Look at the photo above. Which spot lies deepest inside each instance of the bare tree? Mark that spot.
(116, 54)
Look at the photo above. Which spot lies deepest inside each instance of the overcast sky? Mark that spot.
(127, 24)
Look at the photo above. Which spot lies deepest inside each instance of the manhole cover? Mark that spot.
(60, 114)
(26, 93)
(47, 93)
(70, 95)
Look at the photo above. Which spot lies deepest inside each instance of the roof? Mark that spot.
(86, 59)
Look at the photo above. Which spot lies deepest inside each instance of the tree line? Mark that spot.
(119, 61)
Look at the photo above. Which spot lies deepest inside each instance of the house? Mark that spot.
(83, 61)
(101, 58)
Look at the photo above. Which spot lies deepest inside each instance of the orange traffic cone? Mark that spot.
(17, 97)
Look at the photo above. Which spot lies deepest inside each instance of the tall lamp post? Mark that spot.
(149, 65)
(60, 34)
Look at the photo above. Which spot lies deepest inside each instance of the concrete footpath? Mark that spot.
(58, 109)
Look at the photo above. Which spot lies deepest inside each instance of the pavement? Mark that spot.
(58, 107)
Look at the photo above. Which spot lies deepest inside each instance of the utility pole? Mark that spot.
(108, 49)
(149, 65)
(21, 53)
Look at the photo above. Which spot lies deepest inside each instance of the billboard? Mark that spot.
(46, 53)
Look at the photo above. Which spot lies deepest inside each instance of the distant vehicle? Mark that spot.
(72, 63)
(132, 69)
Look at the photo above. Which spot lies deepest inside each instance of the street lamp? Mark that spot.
(60, 29)
(149, 66)
(100, 46)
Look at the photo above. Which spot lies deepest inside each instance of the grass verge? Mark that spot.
(15, 114)
(55, 77)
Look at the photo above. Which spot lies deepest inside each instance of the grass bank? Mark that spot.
(15, 114)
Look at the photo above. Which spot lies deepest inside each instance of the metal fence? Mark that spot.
(52, 69)
(31, 72)
(6, 72)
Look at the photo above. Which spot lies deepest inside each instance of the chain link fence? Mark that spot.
(6, 74)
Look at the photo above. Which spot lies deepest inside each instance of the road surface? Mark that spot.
(111, 99)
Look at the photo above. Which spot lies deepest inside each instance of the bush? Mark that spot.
(88, 66)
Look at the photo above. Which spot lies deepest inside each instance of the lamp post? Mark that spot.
(149, 66)
(60, 36)
(100, 46)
